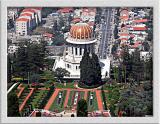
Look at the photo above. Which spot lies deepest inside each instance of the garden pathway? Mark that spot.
(25, 100)
(99, 100)
(85, 95)
(51, 100)
(21, 90)
(67, 97)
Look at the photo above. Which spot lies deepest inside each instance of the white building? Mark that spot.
(12, 48)
(145, 55)
(28, 20)
(80, 37)
(12, 13)
(88, 14)
(22, 26)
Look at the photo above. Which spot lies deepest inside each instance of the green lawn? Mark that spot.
(38, 96)
(61, 85)
(112, 86)
(71, 95)
(81, 95)
(70, 98)
(58, 107)
(94, 106)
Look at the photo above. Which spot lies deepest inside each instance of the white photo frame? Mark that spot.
(81, 3)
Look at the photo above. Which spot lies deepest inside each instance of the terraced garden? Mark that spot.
(70, 98)
(62, 85)
(23, 96)
(57, 105)
(56, 100)
(37, 98)
(92, 105)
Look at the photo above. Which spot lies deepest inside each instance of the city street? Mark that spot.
(106, 33)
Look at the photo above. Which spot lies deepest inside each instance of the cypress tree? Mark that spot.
(127, 63)
(137, 69)
(84, 66)
(97, 68)
(90, 70)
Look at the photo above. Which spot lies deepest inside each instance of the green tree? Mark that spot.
(21, 62)
(84, 67)
(146, 46)
(48, 75)
(58, 40)
(29, 59)
(134, 102)
(90, 65)
(114, 48)
(116, 32)
(96, 68)
(126, 63)
(82, 109)
(35, 78)
(60, 73)
(115, 70)
(12, 105)
(137, 67)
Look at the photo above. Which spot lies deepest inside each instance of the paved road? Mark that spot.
(106, 29)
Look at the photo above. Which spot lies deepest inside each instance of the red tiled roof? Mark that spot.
(26, 14)
(140, 20)
(132, 35)
(139, 28)
(76, 20)
(123, 38)
(88, 10)
(22, 20)
(124, 17)
(136, 44)
(65, 10)
(124, 11)
(29, 10)
(38, 8)
(123, 34)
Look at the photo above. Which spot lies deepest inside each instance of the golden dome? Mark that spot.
(81, 31)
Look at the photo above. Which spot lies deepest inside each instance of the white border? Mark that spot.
(74, 3)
